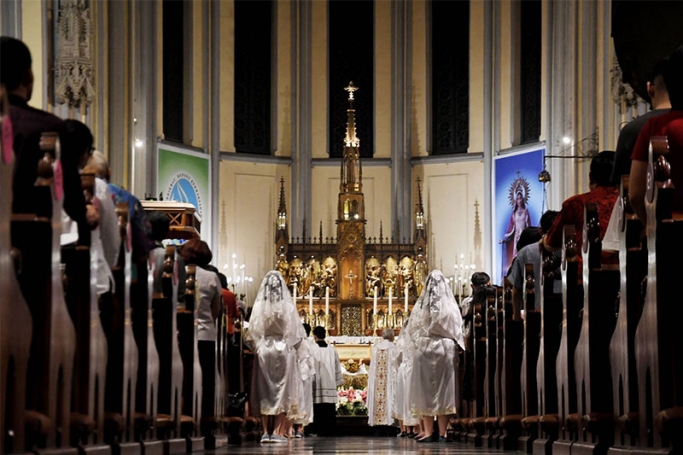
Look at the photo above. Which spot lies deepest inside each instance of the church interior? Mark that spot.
(353, 146)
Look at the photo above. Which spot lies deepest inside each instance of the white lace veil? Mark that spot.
(436, 313)
(274, 314)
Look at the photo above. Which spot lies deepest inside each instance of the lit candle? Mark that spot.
(405, 306)
(374, 306)
(390, 298)
(310, 301)
(294, 289)
(327, 300)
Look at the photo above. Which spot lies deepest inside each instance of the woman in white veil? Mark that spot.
(274, 334)
(434, 330)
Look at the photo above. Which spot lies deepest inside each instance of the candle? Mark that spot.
(327, 300)
(405, 306)
(294, 289)
(374, 306)
(390, 295)
(310, 301)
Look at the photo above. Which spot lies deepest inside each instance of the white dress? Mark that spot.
(381, 384)
(435, 327)
(402, 392)
(275, 331)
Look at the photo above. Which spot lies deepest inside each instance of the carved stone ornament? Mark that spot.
(74, 65)
(622, 93)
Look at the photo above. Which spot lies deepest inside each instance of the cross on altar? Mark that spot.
(351, 88)
(351, 276)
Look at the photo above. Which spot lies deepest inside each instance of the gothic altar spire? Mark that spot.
(419, 211)
(351, 172)
(282, 207)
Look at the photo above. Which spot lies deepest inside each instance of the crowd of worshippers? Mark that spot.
(94, 223)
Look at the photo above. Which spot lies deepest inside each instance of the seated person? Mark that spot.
(529, 254)
(602, 193)
(670, 125)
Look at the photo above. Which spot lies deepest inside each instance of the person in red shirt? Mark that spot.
(670, 125)
(602, 193)
(229, 304)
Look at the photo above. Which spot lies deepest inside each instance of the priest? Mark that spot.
(381, 381)
(328, 376)
(435, 329)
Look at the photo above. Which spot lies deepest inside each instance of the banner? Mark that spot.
(517, 204)
(183, 176)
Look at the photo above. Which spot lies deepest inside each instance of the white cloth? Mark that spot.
(381, 384)
(109, 224)
(328, 375)
(275, 331)
(434, 329)
(611, 240)
(209, 289)
(306, 362)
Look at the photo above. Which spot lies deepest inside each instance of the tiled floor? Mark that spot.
(355, 445)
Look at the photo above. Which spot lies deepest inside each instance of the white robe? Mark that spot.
(328, 375)
(306, 375)
(381, 384)
(402, 392)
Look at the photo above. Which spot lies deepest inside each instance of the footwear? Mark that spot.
(443, 439)
(426, 439)
(298, 435)
(265, 438)
(278, 439)
(411, 435)
(403, 435)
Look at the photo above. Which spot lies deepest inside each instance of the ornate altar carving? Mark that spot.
(74, 64)
(352, 265)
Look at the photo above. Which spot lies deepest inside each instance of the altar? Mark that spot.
(352, 284)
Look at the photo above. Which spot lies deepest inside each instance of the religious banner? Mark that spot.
(183, 176)
(517, 204)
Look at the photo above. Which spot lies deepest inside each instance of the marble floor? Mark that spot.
(355, 445)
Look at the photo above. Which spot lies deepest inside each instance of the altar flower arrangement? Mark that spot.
(352, 402)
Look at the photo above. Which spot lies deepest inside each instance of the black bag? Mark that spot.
(236, 404)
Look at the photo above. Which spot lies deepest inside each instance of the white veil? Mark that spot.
(274, 314)
(436, 313)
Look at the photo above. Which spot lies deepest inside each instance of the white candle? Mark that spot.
(405, 306)
(327, 300)
(390, 295)
(310, 301)
(294, 289)
(374, 305)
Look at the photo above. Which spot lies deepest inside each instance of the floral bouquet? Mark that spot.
(352, 402)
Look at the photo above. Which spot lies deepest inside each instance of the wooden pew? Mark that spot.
(566, 378)
(16, 324)
(532, 345)
(146, 388)
(169, 403)
(87, 418)
(192, 373)
(595, 432)
(491, 392)
(657, 344)
(122, 366)
(633, 268)
(510, 340)
(220, 417)
(37, 237)
(477, 422)
(546, 368)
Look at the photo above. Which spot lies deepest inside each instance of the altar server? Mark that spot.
(275, 332)
(328, 375)
(435, 328)
(403, 364)
(381, 381)
(306, 359)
